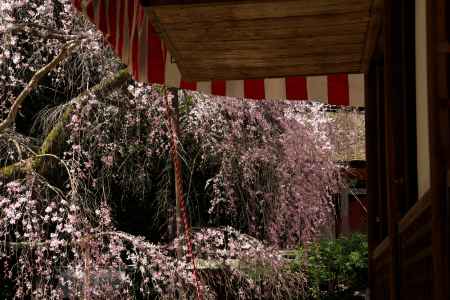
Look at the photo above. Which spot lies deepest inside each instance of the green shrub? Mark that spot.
(335, 269)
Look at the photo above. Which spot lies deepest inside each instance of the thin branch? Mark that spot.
(67, 49)
(50, 144)
(44, 32)
(119, 234)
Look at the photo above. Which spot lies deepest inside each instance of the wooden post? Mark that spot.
(394, 133)
(172, 123)
(171, 103)
(372, 168)
(438, 33)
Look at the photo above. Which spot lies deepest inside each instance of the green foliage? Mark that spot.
(335, 269)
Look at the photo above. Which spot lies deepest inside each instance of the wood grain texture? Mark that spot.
(271, 71)
(264, 39)
(248, 10)
(280, 52)
(272, 28)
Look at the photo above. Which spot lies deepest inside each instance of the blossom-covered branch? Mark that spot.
(50, 142)
(9, 120)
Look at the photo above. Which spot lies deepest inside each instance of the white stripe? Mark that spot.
(356, 89)
(204, 87)
(173, 75)
(317, 88)
(234, 88)
(84, 4)
(275, 88)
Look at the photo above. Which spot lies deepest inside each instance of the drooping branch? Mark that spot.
(67, 49)
(44, 32)
(50, 143)
(101, 89)
(118, 234)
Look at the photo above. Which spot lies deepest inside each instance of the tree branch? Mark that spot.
(119, 234)
(44, 32)
(50, 144)
(67, 49)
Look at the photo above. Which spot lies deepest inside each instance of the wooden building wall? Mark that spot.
(407, 151)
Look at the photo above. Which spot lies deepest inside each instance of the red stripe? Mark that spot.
(188, 85)
(120, 24)
(296, 88)
(103, 17)
(135, 55)
(112, 23)
(338, 89)
(218, 87)
(90, 11)
(155, 59)
(130, 16)
(137, 16)
(77, 4)
(254, 88)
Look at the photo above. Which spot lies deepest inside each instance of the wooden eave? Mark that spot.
(262, 39)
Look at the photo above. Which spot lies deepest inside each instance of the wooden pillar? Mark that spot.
(438, 40)
(372, 169)
(391, 180)
(394, 133)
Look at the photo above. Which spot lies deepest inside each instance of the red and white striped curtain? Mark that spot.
(132, 36)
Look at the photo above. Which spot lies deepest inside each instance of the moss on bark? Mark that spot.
(51, 143)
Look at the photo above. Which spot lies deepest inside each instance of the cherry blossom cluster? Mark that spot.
(60, 251)
(32, 33)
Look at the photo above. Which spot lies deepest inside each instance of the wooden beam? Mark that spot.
(189, 54)
(381, 248)
(249, 10)
(256, 62)
(271, 71)
(148, 3)
(419, 207)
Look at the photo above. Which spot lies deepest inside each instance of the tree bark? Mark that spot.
(51, 143)
(67, 49)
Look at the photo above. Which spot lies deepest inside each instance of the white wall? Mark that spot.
(423, 150)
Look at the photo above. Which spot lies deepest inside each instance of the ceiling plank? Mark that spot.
(335, 49)
(262, 62)
(292, 21)
(216, 12)
(280, 31)
(310, 42)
